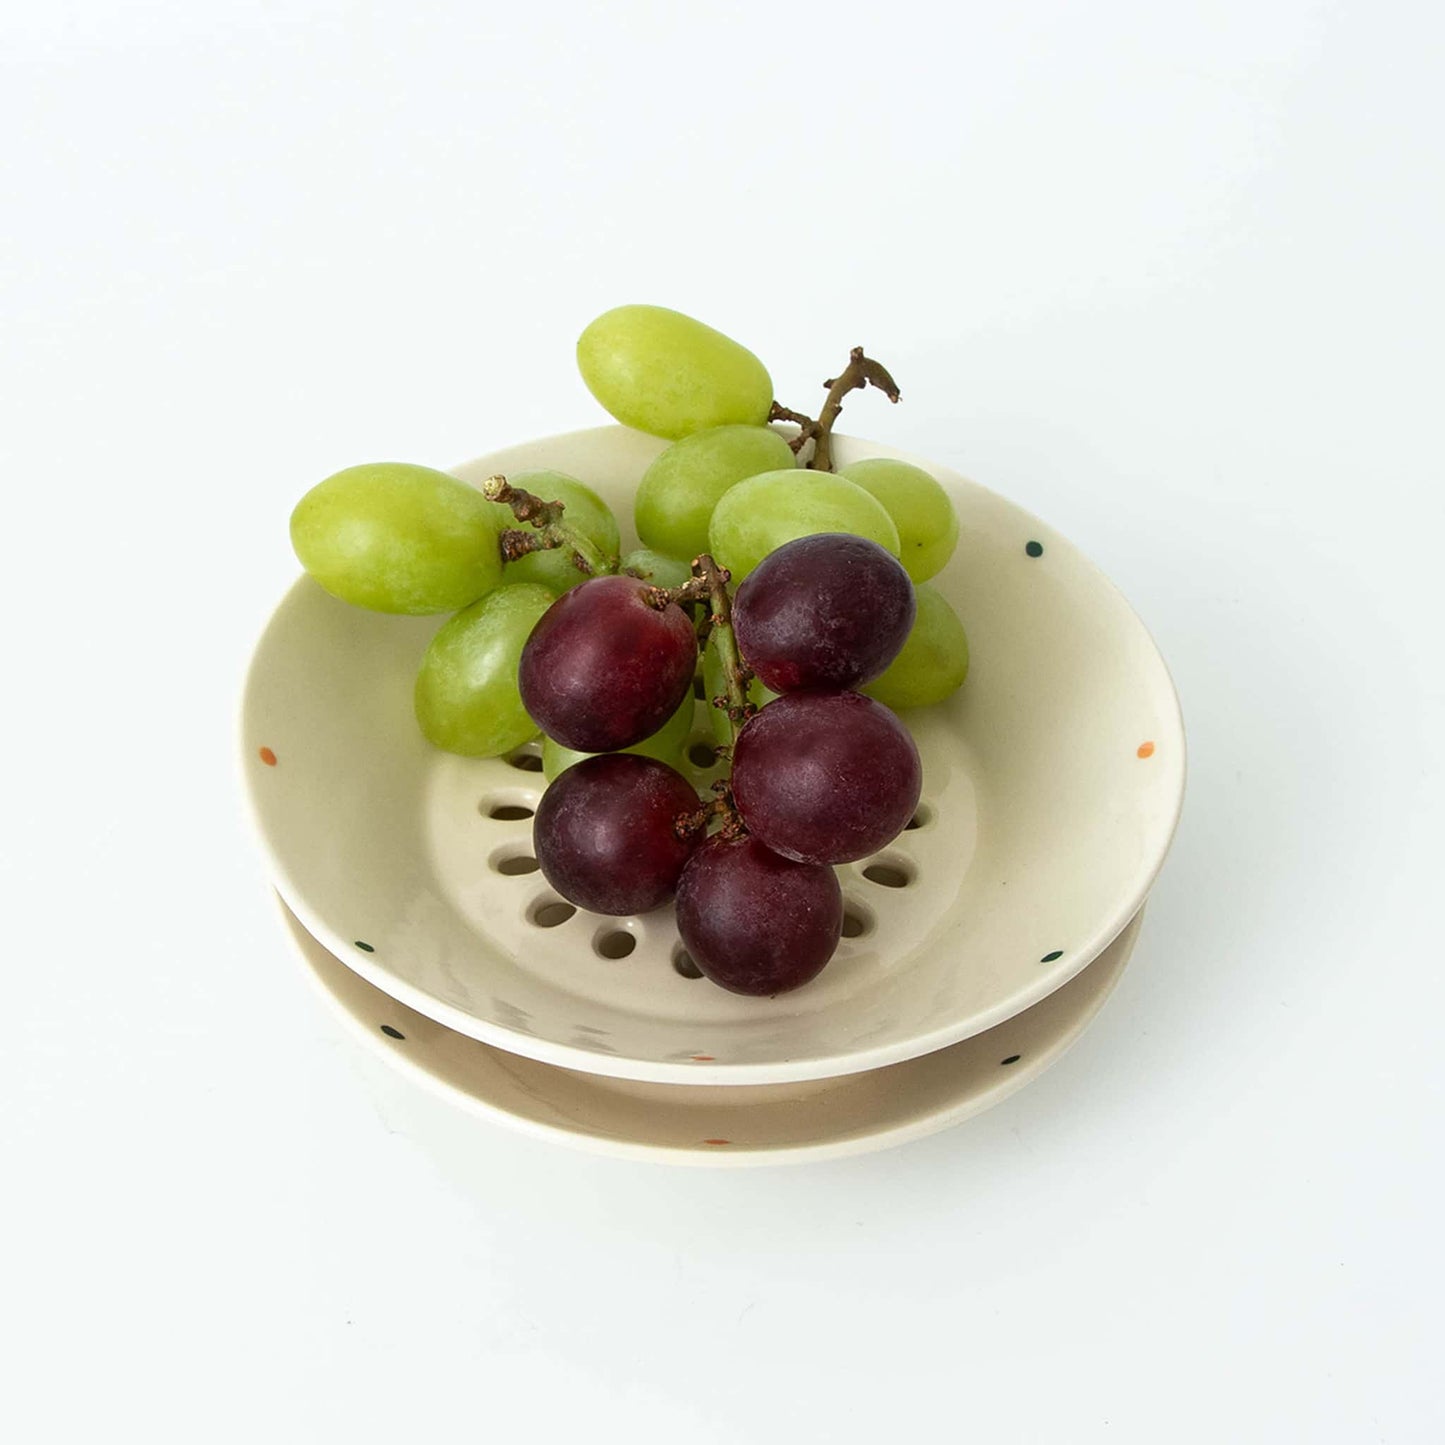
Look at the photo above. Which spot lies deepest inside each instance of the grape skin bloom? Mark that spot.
(824, 611)
(754, 922)
(603, 669)
(826, 777)
(397, 538)
(921, 510)
(934, 661)
(605, 833)
(466, 696)
(758, 515)
(678, 492)
(655, 568)
(667, 374)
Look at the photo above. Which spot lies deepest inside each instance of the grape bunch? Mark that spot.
(821, 775)
(797, 593)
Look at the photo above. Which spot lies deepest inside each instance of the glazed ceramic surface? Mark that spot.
(717, 1125)
(1052, 785)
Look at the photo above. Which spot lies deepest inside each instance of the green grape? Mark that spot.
(583, 509)
(921, 510)
(666, 744)
(655, 568)
(758, 515)
(715, 685)
(679, 490)
(664, 373)
(466, 692)
(934, 660)
(398, 538)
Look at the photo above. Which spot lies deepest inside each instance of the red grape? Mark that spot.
(754, 922)
(825, 777)
(604, 832)
(603, 669)
(831, 610)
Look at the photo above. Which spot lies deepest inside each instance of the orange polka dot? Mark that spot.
(717, 1141)
(1146, 750)
(268, 757)
(703, 1059)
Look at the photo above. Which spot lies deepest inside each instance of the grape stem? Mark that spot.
(861, 372)
(551, 529)
(720, 805)
(709, 583)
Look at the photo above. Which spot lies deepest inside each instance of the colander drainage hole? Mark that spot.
(889, 875)
(615, 944)
(856, 921)
(514, 867)
(699, 688)
(1012, 1059)
(506, 812)
(527, 762)
(392, 1033)
(682, 962)
(552, 913)
(923, 816)
(702, 755)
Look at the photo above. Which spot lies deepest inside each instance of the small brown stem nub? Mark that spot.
(688, 825)
(516, 543)
(862, 371)
(552, 530)
(720, 805)
(807, 427)
(733, 826)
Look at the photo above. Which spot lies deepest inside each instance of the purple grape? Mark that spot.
(825, 777)
(831, 610)
(604, 833)
(754, 922)
(603, 669)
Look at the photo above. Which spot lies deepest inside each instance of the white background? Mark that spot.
(1168, 275)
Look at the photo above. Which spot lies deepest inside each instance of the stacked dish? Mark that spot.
(976, 946)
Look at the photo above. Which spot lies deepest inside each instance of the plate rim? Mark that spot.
(1009, 1081)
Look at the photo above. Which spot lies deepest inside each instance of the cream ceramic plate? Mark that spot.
(761, 1124)
(1052, 784)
